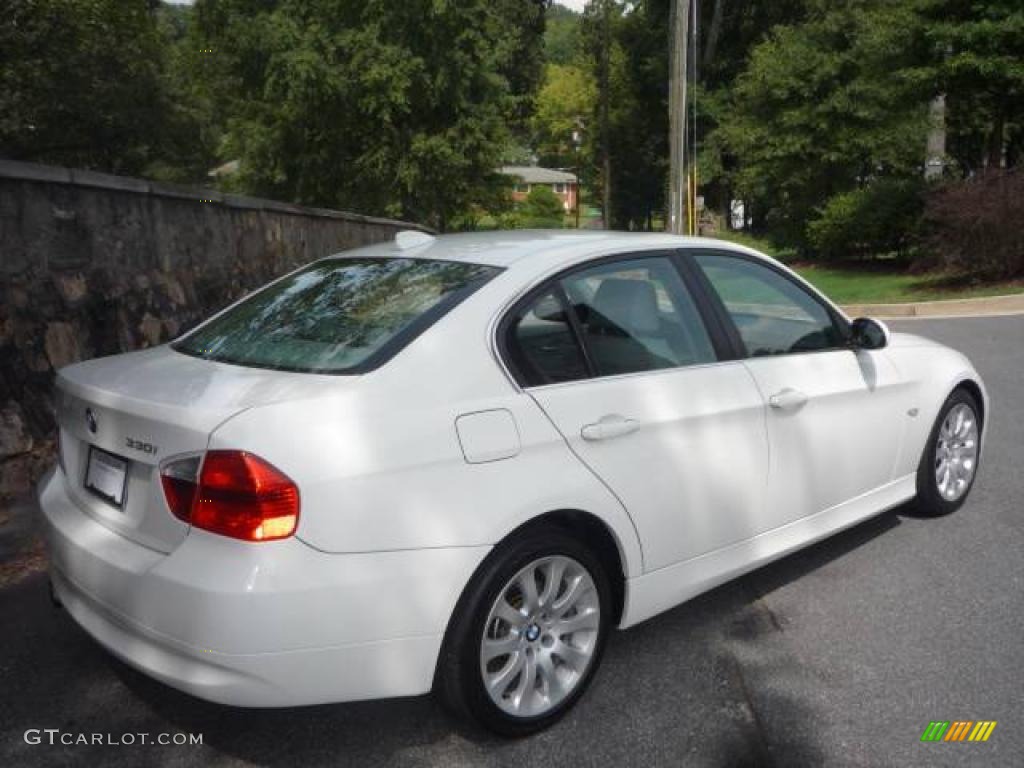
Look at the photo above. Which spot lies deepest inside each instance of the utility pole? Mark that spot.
(604, 96)
(678, 188)
(577, 137)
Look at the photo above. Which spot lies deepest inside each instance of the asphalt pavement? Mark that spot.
(838, 655)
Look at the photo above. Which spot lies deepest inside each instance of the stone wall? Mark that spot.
(92, 264)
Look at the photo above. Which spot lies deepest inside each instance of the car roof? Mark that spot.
(505, 248)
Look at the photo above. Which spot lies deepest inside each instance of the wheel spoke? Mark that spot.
(573, 657)
(504, 646)
(563, 604)
(499, 681)
(584, 620)
(553, 583)
(527, 685)
(551, 685)
(508, 614)
(528, 586)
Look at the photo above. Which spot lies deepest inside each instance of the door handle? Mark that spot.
(787, 399)
(608, 427)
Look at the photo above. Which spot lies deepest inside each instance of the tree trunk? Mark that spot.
(935, 147)
(996, 142)
(714, 32)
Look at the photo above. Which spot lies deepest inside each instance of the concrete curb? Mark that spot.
(983, 306)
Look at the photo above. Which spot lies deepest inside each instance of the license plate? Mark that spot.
(106, 475)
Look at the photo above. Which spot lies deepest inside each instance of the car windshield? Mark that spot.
(340, 315)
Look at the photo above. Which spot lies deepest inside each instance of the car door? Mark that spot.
(618, 355)
(834, 414)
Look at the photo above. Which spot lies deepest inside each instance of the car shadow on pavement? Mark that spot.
(708, 683)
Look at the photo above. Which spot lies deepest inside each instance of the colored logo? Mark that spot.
(958, 730)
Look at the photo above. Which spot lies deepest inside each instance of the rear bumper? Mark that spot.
(268, 624)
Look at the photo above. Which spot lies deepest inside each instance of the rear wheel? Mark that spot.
(950, 461)
(528, 635)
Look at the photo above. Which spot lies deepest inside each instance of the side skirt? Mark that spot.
(657, 591)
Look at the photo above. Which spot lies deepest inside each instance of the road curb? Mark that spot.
(982, 306)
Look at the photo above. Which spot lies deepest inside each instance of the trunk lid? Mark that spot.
(145, 407)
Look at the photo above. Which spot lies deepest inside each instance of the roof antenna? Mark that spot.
(411, 238)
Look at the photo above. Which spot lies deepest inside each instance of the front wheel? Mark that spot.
(528, 635)
(950, 461)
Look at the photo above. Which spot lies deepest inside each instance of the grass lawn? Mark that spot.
(877, 283)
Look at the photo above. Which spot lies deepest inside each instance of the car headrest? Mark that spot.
(629, 305)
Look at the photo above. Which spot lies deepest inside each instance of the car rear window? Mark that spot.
(342, 315)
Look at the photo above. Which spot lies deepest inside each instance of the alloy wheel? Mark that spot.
(540, 636)
(956, 452)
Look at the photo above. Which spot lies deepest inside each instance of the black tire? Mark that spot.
(459, 680)
(929, 501)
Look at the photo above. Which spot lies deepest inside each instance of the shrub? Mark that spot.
(975, 226)
(876, 220)
(541, 209)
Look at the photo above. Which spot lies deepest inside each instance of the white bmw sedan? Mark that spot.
(456, 463)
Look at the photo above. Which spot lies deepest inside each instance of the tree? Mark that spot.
(727, 35)
(80, 83)
(824, 107)
(639, 134)
(520, 50)
(400, 109)
(562, 44)
(978, 63)
(598, 18)
(626, 149)
(564, 103)
(541, 209)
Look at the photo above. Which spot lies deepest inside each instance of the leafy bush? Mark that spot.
(542, 209)
(879, 219)
(974, 226)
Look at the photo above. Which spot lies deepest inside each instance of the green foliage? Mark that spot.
(825, 107)
(978, 62)
(387, 108)
(631, 41)
(519, 52)
(80, 83)
(541, 209)
(639, 116)
(562, 36)
(876, 220)
(563, 104)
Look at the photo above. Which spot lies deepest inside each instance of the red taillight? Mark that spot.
(237, 494)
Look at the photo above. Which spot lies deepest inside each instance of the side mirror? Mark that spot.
(866, 333)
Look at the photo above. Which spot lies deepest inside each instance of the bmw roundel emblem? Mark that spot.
(90, 420)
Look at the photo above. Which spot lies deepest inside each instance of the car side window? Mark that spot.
(773, 314)
(637, 315)
(542, 344)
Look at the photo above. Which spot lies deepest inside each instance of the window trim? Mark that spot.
(739, 347)
(721, 344)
